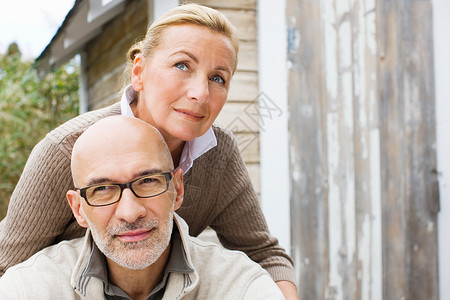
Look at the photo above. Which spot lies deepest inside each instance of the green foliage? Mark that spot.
(30, 107)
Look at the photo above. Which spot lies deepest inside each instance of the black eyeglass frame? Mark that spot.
(167, 175)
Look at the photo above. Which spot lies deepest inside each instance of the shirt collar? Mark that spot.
(192, 149)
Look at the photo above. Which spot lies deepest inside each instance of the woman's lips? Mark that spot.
(134, 236)
(190, 115)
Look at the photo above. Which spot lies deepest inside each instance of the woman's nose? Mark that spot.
(199, 89)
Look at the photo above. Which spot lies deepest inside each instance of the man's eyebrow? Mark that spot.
(96, 181)
(149, 172)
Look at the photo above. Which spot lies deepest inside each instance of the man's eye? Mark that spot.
(218, 79)
(102, 189)
(148, 180)
(181, 66)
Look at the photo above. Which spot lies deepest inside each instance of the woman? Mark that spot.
(180, 76)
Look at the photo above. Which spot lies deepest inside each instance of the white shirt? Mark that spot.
(192, 149)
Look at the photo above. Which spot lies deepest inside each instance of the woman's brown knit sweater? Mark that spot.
(218, 193)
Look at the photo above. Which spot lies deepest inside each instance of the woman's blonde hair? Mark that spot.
(184, 14)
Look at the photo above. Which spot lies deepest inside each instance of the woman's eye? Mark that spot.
(181, 66)
(217, 79)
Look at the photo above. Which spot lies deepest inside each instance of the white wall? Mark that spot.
(274, 139)
(441, 24)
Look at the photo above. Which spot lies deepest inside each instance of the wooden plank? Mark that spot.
(395, 248)
(103, 102)
(244, 21)
(248, 56)
(231, 4)
(102, 61)
(423, 181)
(234, 116)
(339, 84)
(133, 21)
(308, 161)
(407, 153)
(107, 84)
(105, 89)
(244, 87)
(249, 146)
(367, 153)
(132, 24)
(110, 60)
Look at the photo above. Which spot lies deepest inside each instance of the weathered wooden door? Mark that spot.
(363, 163)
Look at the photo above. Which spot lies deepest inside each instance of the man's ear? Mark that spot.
(74, 200)
(179, 188)
(136, 73)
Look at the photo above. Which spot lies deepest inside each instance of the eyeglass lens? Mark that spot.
(147, 186)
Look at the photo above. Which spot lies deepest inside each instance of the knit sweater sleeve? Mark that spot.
(240, 224)
(38, 213)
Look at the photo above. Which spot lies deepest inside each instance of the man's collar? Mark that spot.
(97, 263)
(192, 149)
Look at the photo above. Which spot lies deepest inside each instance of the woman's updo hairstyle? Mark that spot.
(184, 14)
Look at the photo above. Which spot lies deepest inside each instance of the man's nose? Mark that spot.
(199, 88)
(130, 208)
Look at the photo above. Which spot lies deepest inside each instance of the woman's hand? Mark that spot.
(288, 289)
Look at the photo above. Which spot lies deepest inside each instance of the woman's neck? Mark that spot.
(176, 149)
(175, 145)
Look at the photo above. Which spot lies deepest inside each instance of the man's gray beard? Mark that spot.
(134, 255)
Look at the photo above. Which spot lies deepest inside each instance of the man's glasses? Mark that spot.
(143, 187)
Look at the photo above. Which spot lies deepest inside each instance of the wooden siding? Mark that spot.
(106, 54)
(408, 154)
(364, 186)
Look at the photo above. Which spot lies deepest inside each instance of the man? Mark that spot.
(136, 246)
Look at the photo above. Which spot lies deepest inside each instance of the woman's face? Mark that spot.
(184, 82)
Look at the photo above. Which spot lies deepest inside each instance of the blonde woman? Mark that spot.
(180, 75)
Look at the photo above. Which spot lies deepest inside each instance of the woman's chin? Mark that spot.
(187, 134)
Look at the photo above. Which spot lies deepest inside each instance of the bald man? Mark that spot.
(136, 246)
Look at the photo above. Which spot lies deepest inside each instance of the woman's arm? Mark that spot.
(37, 211)
(219, 194)
(288, 289)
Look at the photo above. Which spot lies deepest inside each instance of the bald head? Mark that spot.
(127, 153)
(116, 141)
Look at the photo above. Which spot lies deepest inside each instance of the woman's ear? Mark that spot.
(136, 73)
(74, 200)
(179, 188)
